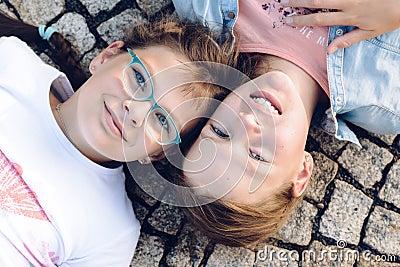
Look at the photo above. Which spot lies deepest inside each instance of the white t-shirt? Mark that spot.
(57, 208)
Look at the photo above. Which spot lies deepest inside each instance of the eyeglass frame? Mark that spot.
(136, 59)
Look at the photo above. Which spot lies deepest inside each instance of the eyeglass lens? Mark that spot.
(159, 122)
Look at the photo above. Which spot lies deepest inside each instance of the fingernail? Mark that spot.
(332, 50)
(284, 2)
(288, 20)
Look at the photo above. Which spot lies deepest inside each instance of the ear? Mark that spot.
(110, 51)
(303, 176)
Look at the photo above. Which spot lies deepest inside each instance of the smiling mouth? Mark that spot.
(267, 104)
(113, 124)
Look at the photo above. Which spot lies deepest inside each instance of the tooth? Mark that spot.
(266, 103)
(259, 100)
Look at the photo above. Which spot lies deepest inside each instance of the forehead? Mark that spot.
(159, 58)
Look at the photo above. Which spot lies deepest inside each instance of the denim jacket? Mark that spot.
(364, 79)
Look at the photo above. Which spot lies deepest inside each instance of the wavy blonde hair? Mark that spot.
(237, 224)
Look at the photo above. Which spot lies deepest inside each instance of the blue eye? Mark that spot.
(163, 121)
(139, 78)
(256, 156)
(219, 132)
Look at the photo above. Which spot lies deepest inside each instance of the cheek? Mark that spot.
(89, 122)
(143, 146)
(290, 144)
(107, 83)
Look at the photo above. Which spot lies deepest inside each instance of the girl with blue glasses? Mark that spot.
(63, 199)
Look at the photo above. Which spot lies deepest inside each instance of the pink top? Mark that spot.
(259, 20)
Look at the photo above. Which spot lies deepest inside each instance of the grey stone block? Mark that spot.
(4, 9)
(74, 28)
(345, 214)
(115, 28)
(152, 6)
(140, 211)
(95, 6)
(391, 190)
(383, 231)
(38, 12)
(230, 256)
(167, 219)
(388, 139)
(147, 182)
(298, 228)
(324, 172)
(148, 252)
(190, 248)
(366, 164)
(328, 143)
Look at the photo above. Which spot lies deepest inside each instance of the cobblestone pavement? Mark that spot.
(352, 207)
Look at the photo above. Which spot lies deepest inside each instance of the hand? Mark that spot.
(371, 17)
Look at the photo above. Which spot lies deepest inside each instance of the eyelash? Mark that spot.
(222, 135)
(255, 156)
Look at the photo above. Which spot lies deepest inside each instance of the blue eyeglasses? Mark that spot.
(139, 85)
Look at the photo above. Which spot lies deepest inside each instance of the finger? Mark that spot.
(330, 4)
(319, 19)
(348, 39)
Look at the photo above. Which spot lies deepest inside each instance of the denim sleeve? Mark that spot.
(364, 82)
(206, 12)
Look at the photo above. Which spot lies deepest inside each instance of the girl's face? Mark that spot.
(253, 143)
(110, 123)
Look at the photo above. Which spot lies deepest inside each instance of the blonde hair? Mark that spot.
(237, 224)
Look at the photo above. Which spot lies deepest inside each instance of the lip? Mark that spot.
(271, 98)
(113, 123)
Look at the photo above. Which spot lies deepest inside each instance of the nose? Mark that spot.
(250, 122)
(136, 111)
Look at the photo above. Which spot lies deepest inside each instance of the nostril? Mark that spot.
(127, 110)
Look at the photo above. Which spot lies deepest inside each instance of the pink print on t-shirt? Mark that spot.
(15, 195)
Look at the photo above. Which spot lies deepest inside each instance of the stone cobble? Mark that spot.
(349, 217)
